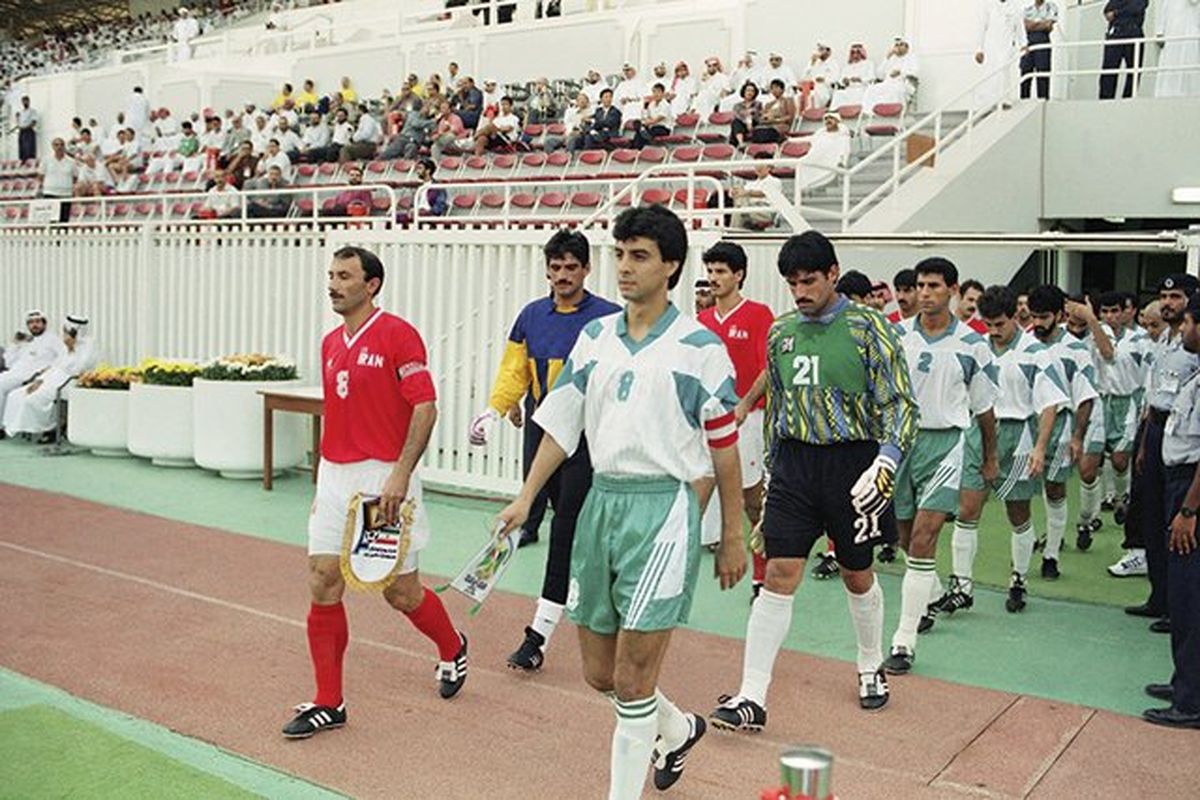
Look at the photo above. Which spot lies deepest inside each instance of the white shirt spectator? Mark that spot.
(828, 149)
(259, 138)
(342, 131)
(593, 90)
(137, 111)
(856, 77)
(784, 73)
(660, 109)
(97, 174)
(280, 160)
(628, 97)
(1178, 18)
(26, 117)
(368, 130)
(288, 141)
(823, 74)
(58, 175)
(315, 136)
(212, 140)
(712, 88)
(222, 199)
(508, 124)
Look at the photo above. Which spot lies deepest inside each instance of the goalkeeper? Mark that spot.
(840, 415)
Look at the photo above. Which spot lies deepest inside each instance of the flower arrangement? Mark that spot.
(107, 376)
(249, 367)
(161, 372)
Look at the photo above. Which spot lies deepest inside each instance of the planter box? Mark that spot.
(96, 419)
(160, 424)
(227, 428)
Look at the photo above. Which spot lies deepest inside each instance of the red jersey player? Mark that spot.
(379, 411)
(742, 325)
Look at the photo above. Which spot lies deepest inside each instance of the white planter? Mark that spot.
(96, 419)
(227, 428)
(160, 424)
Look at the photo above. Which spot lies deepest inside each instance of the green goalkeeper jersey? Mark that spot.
(841, 377)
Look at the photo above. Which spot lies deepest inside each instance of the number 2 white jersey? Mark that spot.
(1030, 380)
(1077, 367)
(653, 407)
(1126, 373)
(953, 374)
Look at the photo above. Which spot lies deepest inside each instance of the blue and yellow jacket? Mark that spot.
(540, 341)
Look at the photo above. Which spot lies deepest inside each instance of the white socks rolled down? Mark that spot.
(963, 546)
(632, 745)
(673, 726)
(1022, 548)
(1089, 501)
(866, 610)
(919, 581)
(770, 621)
(546, 618)
(1108, 478)
(1056, 527)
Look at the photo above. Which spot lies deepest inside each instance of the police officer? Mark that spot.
(1040, 19)
(1181, 470)
(1173, 366)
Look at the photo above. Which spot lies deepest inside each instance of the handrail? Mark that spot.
(942, 138)
(162, 203)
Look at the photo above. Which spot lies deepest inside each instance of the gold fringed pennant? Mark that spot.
(374, 552)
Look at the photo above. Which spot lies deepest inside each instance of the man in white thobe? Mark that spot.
(898, 77)
(829, 149)
(30, 408)
(999, 35)
(38, 351)
(137, 110)
(630, 93)
(186, 29)
(823, 71)
(1179, 18)
(714, 85)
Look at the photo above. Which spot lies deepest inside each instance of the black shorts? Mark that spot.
(808, 496)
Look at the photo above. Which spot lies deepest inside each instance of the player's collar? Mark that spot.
(555, 308)
(950, 330)
(660, 326)
(350, 340)
(722, 317)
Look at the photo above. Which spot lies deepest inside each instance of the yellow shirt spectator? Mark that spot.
(306, 99)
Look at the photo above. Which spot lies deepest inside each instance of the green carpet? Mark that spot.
(1070, 644)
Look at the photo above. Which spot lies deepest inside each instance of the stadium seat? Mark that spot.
(327, 174)
(621, 163)
(649, 156)
(531, 165)
(180, 210)
(652, 197)
(521, 203)
(885, 111)
(793, 148)
(716, 127)
(557, 164)
(585, 200)
(849, 112)
(305, 174)
(536, 134)
(463, 204)
(699, 199)
(684, 130)
(474, 168)
(717, 152)
(401, 171)
(589, 164)
(504, 166)
(448, 167)
(377, 171)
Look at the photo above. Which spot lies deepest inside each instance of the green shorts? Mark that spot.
(635, 556)
(1120, 423)
(1058, 452)
(1093, 439)
(1014, 442)
(929, 476)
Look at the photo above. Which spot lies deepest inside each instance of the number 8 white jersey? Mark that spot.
(954, 375)
(652, 407)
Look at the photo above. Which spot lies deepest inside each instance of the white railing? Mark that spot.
(418, 16)
(943, 134)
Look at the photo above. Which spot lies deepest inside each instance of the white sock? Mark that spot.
(919, 579)
(1056, 526)
(1123, 481)
(770, 620)
(1089, 501)
(1106, 478)
(866, 610)
(1022, 548)
(963, 546)
(673, 725)
(545, 618)
(632, 744)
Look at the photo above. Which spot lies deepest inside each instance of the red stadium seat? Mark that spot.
(652, 197)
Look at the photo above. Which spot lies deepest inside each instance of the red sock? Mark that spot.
(431, 619)
(328, 634)
(829, 548)
(760, 567)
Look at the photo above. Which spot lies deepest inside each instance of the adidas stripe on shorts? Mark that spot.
(930, 474)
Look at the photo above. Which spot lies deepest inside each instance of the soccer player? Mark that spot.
(1047, 311)
(539, 342)
(1032, 391)
(742, 325)
(380, 407)
(968, 302)
(1083, 324)
(840, 417)
(954, 381)
(703, 297)
(654, 391)
(905, 285)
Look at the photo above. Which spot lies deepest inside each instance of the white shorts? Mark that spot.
(751, 447)
(336, 485)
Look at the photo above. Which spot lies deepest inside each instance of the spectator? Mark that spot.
(314, 144)
(593, 86)
(777, 70)
(93, 179)
(30, 409)
(365, 139)
(417, 124)
(32, 352)
(682, 90)
(855, 78)
(58, 177)
(189, 150)
(829, 150)
(448, 128)
(451, 74)
(631, 93)
(747, 115)
(261, 134)
(283, 98)
(898, 77)
(342, 133)
(499, 133)
(969, 292)
(543, 106)
(429, 201)
(1040, 18)
(353, 201)
(1125, 20)
(491, 98)
(1000, 33)
(242, 167)
(714, 86)
(274, 157)
(905, 286)
(307, 99)
(764, 190)
(778, 114)
(137, 110)
(746, 71)
(656, 120)
(186, 29)
(289, 142)
(84, 145)
(166, 130)
(1178, 18)
(606, 123)
(822, 73)
(235, 137)
(275, 205)
(248, 117)
(27, 122)
(855, 286)
(347, 93)
(576, 121)
(222, 200)
(212, 140)
(468, 103)
(881, 295)
(126, 159)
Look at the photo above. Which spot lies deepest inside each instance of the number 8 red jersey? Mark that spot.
(372, 381)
